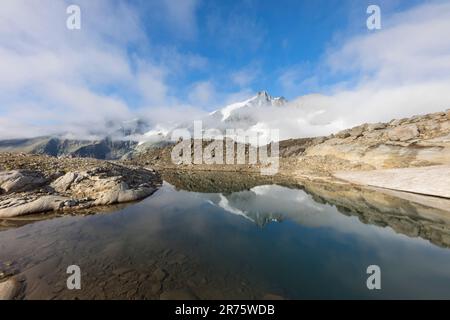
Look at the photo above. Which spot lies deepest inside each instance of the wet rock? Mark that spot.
(63, 183)
(181, 294)
(156, 288)
(121, 271)
(17, 207)
(177, 259)
(9, 289)
(271, 296)
(159, 274)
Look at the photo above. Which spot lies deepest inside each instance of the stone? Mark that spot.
(159, 274)
(156, 288)
(9, 289)
(343, 134)
(42, 204)
(180, 294)
(85, 184)
(357, 131)
(376, 126)
(63, 183)
(20, 180)
(403, 133)
(271, 296)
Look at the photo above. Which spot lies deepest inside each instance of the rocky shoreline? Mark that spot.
(38, 183)
(421, 141)
(32, 184)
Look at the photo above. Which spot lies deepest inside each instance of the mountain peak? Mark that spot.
(262, 99)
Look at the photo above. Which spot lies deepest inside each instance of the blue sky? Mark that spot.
(173, 60)
(262, 39)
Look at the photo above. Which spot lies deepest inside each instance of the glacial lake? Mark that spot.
(263, 241)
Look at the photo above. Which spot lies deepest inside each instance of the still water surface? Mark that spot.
(267, 241)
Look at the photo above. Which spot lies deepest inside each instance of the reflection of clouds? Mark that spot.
(267, 203)
(322, 253)
(225, 205)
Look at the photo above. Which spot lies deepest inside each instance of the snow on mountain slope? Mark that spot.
(262, 99)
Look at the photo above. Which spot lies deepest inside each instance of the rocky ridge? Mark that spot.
(418, 141)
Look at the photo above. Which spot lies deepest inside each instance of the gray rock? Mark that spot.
(21, 180)
(376, 126)
(159, 274)
(63, 183)
(271, 296)
(42, 204)
(9, 289)
(156, 288)
(343, 134)
(357, 131)
(403, 133)
(180, 294)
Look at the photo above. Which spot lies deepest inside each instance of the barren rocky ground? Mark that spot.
(419, 141)
(34, 184)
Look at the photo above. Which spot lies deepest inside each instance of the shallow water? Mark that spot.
(264, 241)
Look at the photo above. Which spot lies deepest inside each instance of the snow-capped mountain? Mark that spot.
(262, 99)
(239, 115)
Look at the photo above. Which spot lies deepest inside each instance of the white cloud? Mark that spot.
(53, 79)
(399, 71)
(202, 94)
(77, 80)
(245, 76)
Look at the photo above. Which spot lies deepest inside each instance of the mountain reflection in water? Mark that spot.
(245, 239)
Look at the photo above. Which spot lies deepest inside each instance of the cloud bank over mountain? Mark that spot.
(53, 80)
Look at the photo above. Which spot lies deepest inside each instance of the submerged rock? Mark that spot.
(180, 294)
(9, 289)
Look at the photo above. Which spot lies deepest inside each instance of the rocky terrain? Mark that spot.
(35, 184)
(417, 142)
(32, 184)
(107, 149)
(412, 142)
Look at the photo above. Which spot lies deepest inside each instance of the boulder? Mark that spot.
(376, 126)
(9, 289)
(403, 133)
(20, 207)
(64, 183)
(178, 295)
(21, 180)
(357, 131)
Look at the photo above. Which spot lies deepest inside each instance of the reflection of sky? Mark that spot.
(315, 252)
(340, 238)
